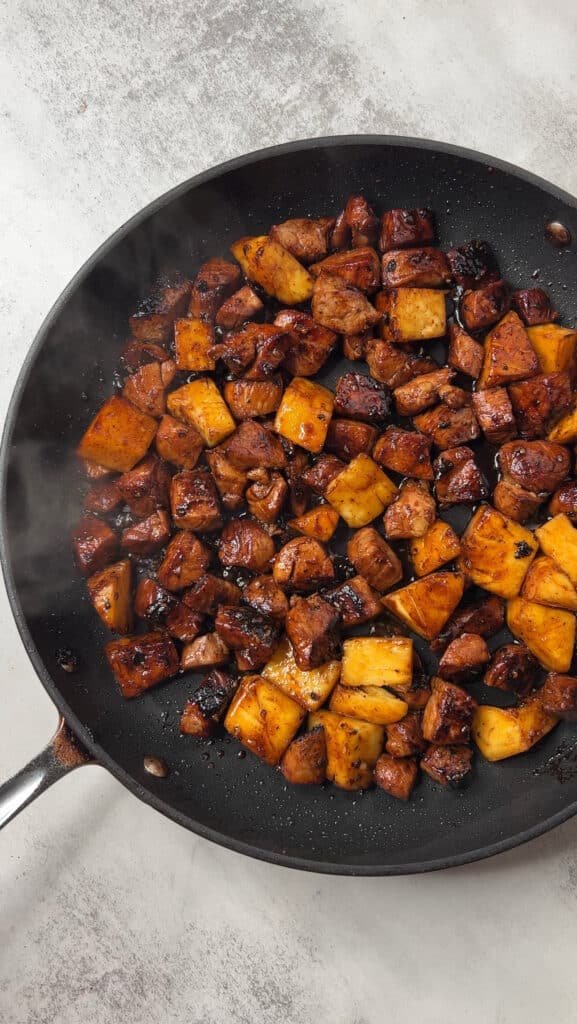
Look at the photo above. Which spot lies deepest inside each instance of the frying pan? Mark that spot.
(241, 803)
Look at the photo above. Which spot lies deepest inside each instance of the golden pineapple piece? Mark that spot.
(304, 414)
(549, 633)
(201, 404)
(111, 594)
(504, 732)
(546, 583)
(439, 545)
(119, 435)
(558, 539)
(361, 491)
(265, 261)
(425, 605)
(263, 718)
(378, 661)
(353, 748)
(193, 340)
(320, 523)
(369, 703)
(311, 687)
(556, 348)
(565, 430)
(412, 314)
(496, 552)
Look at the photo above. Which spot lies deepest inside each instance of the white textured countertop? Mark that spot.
(109, 914)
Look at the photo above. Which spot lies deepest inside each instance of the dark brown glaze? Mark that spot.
(348, 438)
(534, 306)
(194, 501)
(483, 307)
(267, 597)
(204, 652)
(243, 305)
(559, 696)
(244, 543)
(359, 267)
(178, 443)
(516, 502)
(341, 307)
(485, 617)
(140, 662)
(207, 707)
(95, 545)
(216, 280)
(208, 592)
(374, 559)
(415, 268)
(186, 560)
(450, 766)
(464, 657)
(448, 715)
(305, 761)
(252, 636)
(473, 264)
(157, 312)
(323, 470)
(405, 738)
(397, 777)
(146, 487)
(148, 535)
(303, 565)
(448, 428)
(465, 354)
(309, 345)
(401, 228)
(411, 513)
(355, 601)
(458, 479)
(406, 452)
(361, 220)
(534, 465)
(360, 398)
(535, 402)
(494, 413)
(312, 626)
(421, 392)
(512, 667)
(393, 365)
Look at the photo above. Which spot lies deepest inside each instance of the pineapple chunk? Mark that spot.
(558, 539)
(496, 552)
(439, 545)
(565, 430)
(263, 718)
(201, 404)
(546, 583)
(119, 435)
(304, 414)
(274, 268)
(193, 340)
(361, 491)
(111, 594)
(320, 523)
(378, 661)
(369, 703)
(310, 687)
(426, 604)
(549, 633)
(556, 348)
(504, 732)
(412, 314)
(353, 748)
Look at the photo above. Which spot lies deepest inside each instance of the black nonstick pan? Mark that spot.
(240, 802)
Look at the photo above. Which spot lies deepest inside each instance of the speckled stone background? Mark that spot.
(108, 913)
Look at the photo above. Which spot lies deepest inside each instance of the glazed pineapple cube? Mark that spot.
(425, 605)
(496, 552)
(556, 348)
(378, 661)
(558, 539)
(369, 703)
(412, 314)
(320, 523)
(353, 748)
(549, 633)
(263, 718)
(111, 594)
(565, 430)
(311, 687)
(546, 583)
(504, 732)
(119, 435)
(265, 261)
(201, 404)
(304, 414)
(193, 341)
(439, 545)
(360, 492)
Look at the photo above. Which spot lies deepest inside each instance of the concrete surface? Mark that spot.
(108, 913)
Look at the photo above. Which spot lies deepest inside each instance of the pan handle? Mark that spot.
(63, 754)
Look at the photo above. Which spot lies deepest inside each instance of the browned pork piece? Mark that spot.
(145, 388)
(484, 306)
(266, 596)
(405, 738)
(246, 544)
(208, 592)
(252, 445)
(534, 306)
(565, 500)
(341, 307)
(509, 355)
(103, 497)
(231, 482)
(418, 268)
(411, 513)
(95, 545)
(266, 495)
(512, 667)
(458, 479)
(341, 234)
(355, 345)
(216, 280)
(306, 239)
(559, 696)
(374, 559)
(323, 470)
(254, 351)
(243, 305)
(152, 601)
(138, 353)
(448, 714)
(359, 267)
(448, 428)
(473, 264)
(394, 366)
(194, 501)
(139, 662)
(397, 777)
(253, 637)
(184, 624)
(537, 400)
(402, 228)
(312, 626)
(485, 617)
(178, 443)
(355, 601)
(303, 565)
(464, 657)
(249, 399)
(465, 354)
(406, 452)
(421, 392)
(348, 438)
(534, 465)
(156, 313)
(298, 488)
(309, 345)
(494, 414)
(516, 502)
(203, 652)
(206, 708)
(450, 766)
(146, 487)
(185, 561)
(305, 761)
(360, 398)
(148, 535)
(361, 220)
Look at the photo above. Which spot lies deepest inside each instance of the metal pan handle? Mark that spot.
(63, 754)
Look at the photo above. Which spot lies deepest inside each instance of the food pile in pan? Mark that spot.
(289, 540)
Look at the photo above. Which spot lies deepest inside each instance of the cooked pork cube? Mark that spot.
(425, 605)
(252, 445)
(549, 633)
(304, 414)
(138, 353)
(397, 778)
(402, 228)
(516, 502)
(119, 435)
(556, 348)
(146, 487)
(103, 497)
(355, 601)
(353, 748)
(448, 715)
(111, 594)
(435, 548)
(361, 220)
(416, 268)
(156, 313)
(309, 345)
(348, 438)
(421, 392)
(485, 617)
(464, 657)
(319, 475)
(504, 732)
(208, 592)
(534, 306)
(448, 428)
(360, 398)
(472, 264)
(484, 306)
(178, 443)
(341, 234)
(139, 662)
(185, 561)
(388, 364)
(193, 344)
(266, 495)
(204, 652)
(305, 761)
(247, 399)
(512, 667)
(411, 314)
(254, 350)
(359, 267)
(312, 626)
(458, 479)
(360, 492)
(231, 482)
(303, 565)
(537, 400)
(496, 552)
(245, 543)
(263, 718)
(450, 766)
(558, 539)
(534, 465)
(252, 636)
(151, 601)
(200, 404)
(355, 345)
(546, 583)
(406, 452)
(559, 696)
(411, 513)
(306, 239)
(341, 307)
(509, 355)
(95, 545)
(310, 688)
(215, 281)
(194, 501)
(148, 535)
(243, 305)
(374, 559)
(145, 388)
(184, 624)
(565, 500)
(319, 522)
(378, 661)
(405, 738)
(202, 714)
(266, 596)
(494, 413)
(465, 354)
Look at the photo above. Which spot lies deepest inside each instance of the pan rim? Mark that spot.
(101, 756)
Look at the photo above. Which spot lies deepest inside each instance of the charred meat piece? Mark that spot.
(406, 452)
(359, 267)
(146, 487)
(255, 351)
(534, 307)
(208, 592)
(147, 536)
(216, 280)
(348, 438)
(448, 765)
(421, 392)
(178, 443)
(464, 657)
(319, 475)
(156, 313)
(565, 500)
(243, 305)
(483, 307)
(473, 264)
(247, 544)
(103, 497)
(267, 597)
(361, 220)
(252, 636)
(194, 501)
(266, 495)
(465, 354)
(341, 307)
(395, 366)
(516, 502)
(360, 398)
(411, 513)
(512, 667)
(397, 777)
(312, 626)
(252, 445)
(145, 388)
(204, 651)
(458, 479)
(448, 714)
(403, 228)
(534, 465)
(306, 239)
(537, 400)
(485, 618)
(508, 354)
(152, 601)
(139, 662)
(374, 559)
(95, 545)
(448, 428)
(355, 601)
(185, 561)
(405, 738)
(309, 345)
(184, 624)
(303, 565)
(415, 268)
(231, 482)
(305, 761)
(208, 705)
(559, 696)
(494, 414)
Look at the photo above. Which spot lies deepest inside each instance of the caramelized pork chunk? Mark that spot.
(95, 545)
(194, 501)
(405, 738)
(254, 351)
(485, 617)
(208, 592)
(305, 761)
(465, 354)
(309, 345)
(355, 345)
(203, 652)
(312, 626)
(252, 636)
(145, 388)
(266, 495)
(146, 487)
(495, 414)
(448, 715)
(448, 428)
(417, 268)
(464, 657)
(359, 267)
(536, 401)
(267, 597)
(508, 354)
(360, 398)
(246, 544)
(473, 264)
(306, 239)
(534, 465)
(341, 234)
(341, 307)
(250, 399)
(153, 602)
(355, 602)
(402, 228)
(396, 777)
(139, 662)
(348, 438)
(148, 535)
(483, 307)
(388, 364)
(156, 313)
(252, 445)
(516, 502)
(534, 307)
(559, 696)
(184, 624)
(450, 766)
(458, 479)
(411, 513)
(208, 705)
(299, 493)
(138, 353)
(421, 392)
(243, 305)
(231, 482)
(178, 443)
(103, 497)
(361, 220)
(323, 470)
(565, 500)
(512, 667)
(406, 452)
(374, 559)
(303, 565)
(216, 280)
(185, 561)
